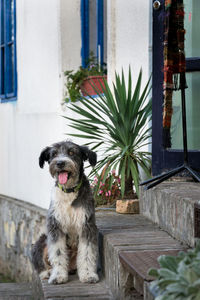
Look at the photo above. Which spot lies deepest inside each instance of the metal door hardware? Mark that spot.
(156, 5)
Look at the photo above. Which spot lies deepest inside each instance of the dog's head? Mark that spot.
(66, 161)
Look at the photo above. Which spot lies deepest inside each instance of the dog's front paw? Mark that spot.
(45, 274)
(89, 278)
(58, 276)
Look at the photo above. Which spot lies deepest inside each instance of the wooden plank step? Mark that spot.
(17, 291)
(138, 264)
(75, 290)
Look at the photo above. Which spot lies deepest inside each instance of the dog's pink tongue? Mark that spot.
(63, 177)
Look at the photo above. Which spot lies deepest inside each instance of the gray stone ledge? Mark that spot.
(171, 206)
(20, 225)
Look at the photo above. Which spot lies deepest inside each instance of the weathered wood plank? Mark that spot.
(111, 220)
(104, 297)
(74, 289)
(139, 262)
(143, 238)
(15, 291)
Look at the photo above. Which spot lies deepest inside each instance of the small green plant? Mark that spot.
(74, 79)
(105, 193)
(117, 124)
(5, 279)
(179, 277)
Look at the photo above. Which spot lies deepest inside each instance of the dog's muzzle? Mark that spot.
(63, 175)
(63, 169)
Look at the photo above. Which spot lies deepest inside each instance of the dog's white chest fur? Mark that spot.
(71, 219)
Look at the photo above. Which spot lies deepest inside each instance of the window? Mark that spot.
(192, 51)
(167, 159)
(93, 30)
(8, 78)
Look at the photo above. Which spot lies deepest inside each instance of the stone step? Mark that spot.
(128, 234)
(16, 291)
(138, 263)
(75, 290)
(118, 234)
(175, 207)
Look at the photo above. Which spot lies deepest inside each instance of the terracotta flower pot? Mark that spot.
(89, 82)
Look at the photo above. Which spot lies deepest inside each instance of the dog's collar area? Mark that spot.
(71, 190)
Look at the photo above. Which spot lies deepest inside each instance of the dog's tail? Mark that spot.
(39, 254)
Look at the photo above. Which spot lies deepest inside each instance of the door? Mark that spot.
(167, 159)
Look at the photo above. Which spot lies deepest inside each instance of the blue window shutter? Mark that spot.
(8, 66)
(85, 31)
(2, 46)
(100, 31)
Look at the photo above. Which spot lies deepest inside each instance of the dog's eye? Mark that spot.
(71, 152)
(54, 153)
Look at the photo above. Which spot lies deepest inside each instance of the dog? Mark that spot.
(71, 239)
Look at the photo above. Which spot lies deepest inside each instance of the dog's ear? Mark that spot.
(44, 156)
(88, 154)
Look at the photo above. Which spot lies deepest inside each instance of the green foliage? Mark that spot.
(5, 279)
(178, 277)
(116, 123)
(74, 79)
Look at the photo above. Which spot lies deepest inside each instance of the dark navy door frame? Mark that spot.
(164, 159)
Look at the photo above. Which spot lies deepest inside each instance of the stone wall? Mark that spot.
(20, 225)
(171, 206)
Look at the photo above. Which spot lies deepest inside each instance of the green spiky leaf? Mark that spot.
(117, 123)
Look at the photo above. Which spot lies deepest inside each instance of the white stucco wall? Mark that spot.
(70, 22)
(128, 37)
(129, 41)
(48, 43)
(34, 120)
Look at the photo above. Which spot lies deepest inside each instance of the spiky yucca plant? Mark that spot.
(117, 125)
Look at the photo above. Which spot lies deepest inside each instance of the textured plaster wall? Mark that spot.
(70, 22)
(171, 206)
(34, 120)
(128, 36)
(48, 43)
(129, 41)
(20, 226)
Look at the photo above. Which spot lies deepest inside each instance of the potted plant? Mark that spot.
(178, 277)
(81, 82)
(117, 125)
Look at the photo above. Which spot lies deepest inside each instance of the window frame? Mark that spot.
(6, 15)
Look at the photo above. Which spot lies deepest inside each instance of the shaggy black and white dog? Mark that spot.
(71, 240)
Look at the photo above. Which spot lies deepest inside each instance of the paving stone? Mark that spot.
(74, 289)
(16, 291)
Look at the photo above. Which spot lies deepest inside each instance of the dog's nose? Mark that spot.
(60, 164)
